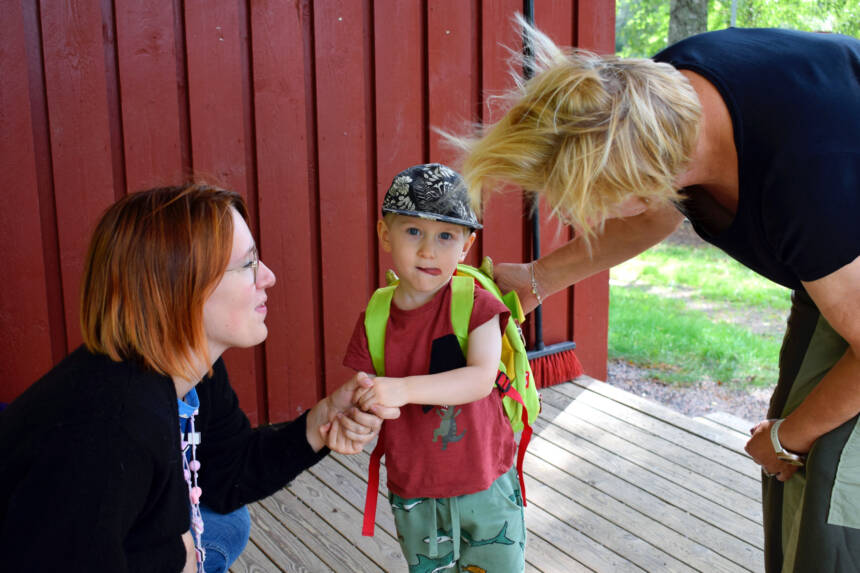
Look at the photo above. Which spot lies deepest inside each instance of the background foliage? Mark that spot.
(642, 26)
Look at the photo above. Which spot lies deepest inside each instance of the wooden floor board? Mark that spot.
(660, 445)
(731, 460)
(694, 541)
(655, 409)
(614, 482)
(627, 500)
(701, 486)
(253, 560)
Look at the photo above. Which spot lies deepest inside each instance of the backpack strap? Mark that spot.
(462, 302)
(375, 321)
(503, 383)
(372, 496)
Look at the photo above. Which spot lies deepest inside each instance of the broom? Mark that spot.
(555, 363)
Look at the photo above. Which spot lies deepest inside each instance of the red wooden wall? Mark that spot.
(306, 108)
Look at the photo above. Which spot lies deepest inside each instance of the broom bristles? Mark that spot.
(555, 368)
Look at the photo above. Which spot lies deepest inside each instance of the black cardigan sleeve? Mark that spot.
(238, 464)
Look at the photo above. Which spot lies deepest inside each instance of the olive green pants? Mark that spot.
(812, 521)
(483, 531)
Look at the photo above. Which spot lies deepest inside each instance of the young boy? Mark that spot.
(449, 457)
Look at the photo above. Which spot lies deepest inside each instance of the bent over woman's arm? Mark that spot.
(620, 240)
(836, 398)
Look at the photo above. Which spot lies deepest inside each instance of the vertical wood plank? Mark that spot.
(214, 40)
(283, 110)
(595, 31)
(505, 236)
(454, 76)
(114, 111)
(147, 61)
(44, 181)
(595, 25)
(556, 20)
(346, 178)
(24, 321)
(400, 84)
(75, 83)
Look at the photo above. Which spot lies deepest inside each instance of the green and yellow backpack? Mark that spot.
(514, 380)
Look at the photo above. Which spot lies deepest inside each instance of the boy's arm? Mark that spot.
(459, 386)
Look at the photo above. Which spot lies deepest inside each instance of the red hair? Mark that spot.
(153, 260)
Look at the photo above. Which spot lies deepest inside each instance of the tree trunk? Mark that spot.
(687, 18)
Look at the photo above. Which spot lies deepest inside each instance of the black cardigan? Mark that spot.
(91, 473)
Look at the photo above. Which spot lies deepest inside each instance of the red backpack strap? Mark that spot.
(507, 389)
(372, 488)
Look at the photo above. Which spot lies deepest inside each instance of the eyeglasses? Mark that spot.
(252, 264)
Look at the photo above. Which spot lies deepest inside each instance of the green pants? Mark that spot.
(480, 531)
(812, 521)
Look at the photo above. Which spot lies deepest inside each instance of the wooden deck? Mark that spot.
(614, 482)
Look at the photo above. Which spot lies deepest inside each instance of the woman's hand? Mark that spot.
(760, 448)
(354, 428)
(513, 276)
(343, 437)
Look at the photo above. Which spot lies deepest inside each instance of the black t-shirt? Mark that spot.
(794, 101)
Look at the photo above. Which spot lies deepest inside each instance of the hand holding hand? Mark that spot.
(760, 448)
(345, 397)
(336, 422)
(385, 393)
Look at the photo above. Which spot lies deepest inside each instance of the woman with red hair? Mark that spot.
(95, 476)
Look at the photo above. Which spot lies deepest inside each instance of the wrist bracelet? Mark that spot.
(782, 453)
(534, 283)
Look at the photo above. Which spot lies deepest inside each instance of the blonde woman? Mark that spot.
(752, 135)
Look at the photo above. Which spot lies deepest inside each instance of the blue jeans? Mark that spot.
(224, 537)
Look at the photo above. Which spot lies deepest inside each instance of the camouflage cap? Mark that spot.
(431, 191)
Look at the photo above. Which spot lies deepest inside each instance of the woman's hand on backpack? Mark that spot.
(514, 276)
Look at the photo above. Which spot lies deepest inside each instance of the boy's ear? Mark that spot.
(384, 235)
(470, 240)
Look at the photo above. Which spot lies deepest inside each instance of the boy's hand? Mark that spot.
(386, 392)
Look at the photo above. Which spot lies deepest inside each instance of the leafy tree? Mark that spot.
(642, 26)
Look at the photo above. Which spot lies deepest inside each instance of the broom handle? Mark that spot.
(528, 72)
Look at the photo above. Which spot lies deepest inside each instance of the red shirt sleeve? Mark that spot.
(357, 354)
(486, 307)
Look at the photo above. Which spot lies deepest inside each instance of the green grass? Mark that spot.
(682, 346)
(712, 273)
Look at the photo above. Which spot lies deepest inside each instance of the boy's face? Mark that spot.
(425, 252)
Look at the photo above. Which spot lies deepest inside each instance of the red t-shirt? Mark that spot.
(437, 451)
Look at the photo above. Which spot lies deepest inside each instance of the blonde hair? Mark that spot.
(154, 259)
(587, 132)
